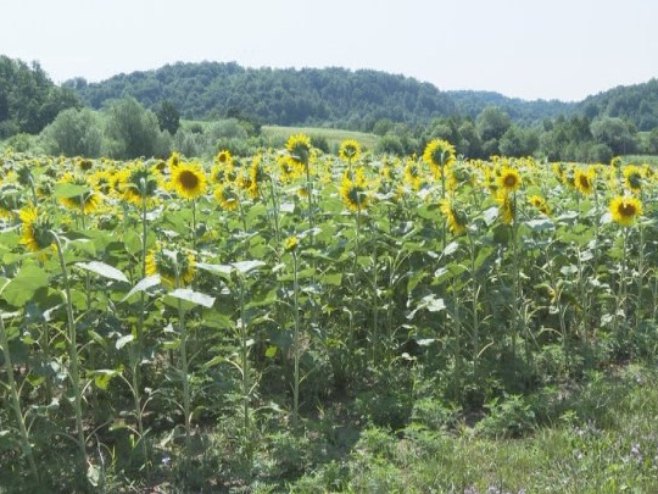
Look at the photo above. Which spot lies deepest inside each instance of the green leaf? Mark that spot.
(334, 279)
(123, 341)
(245, 267)
(143, 285)
(190, 295)
(102, 377)
(271, 351)
(104, 270)
(22, 288)
(66, 191)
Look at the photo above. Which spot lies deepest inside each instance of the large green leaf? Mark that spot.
(22, 288)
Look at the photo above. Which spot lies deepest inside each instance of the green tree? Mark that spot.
(168, 117)
(617, 134)
(74, 133)
(132, 131)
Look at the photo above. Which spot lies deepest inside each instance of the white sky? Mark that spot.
(564, 49)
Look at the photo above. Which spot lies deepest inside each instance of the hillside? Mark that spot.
(336, 96)
(637, 104)
(344, 98)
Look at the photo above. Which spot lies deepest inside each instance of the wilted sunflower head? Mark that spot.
(141, 183)
(227, 196)
(633, 177)
(299, 147)
(625, 210)
(454, 215)
(87, 201)
(36, 230)
(189, 180)
(438, 154)
(175, 267)
(350, 150)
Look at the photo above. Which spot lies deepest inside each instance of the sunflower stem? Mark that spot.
(15, 400)
(74, 371)
(296, 343)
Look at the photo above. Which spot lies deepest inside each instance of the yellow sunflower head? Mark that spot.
(175, 267)
(625, 210)
(438, 154)
(291, 244)
(350, 150)
(540, 204)
(584, 180)
(354, 194)
(224, 158)
(189, 180)
(509, 179)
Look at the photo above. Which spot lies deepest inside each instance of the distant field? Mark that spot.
(640, 159)
(334, 136)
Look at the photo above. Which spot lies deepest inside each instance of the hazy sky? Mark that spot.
(565, 49)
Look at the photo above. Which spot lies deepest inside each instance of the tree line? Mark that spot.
(139, 114)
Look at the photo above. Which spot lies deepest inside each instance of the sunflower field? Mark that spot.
(214, 326)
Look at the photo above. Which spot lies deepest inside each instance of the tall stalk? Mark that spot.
(15, 401)
(74, 371)
(296, 343)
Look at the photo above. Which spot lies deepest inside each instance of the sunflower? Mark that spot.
(350, 150)
(101, 180)
(289, 169)
(256, 177)
(176, 268)
(540, 203)
(188, 180)
(36, 230)
(291, 244)
(84, 164)
(633, 177)
(299, 147)
(223, 173)
(509, 179)
(141, 183)
(506, 206)
(455, 217)
(224, 158)
(584, 180)
(174, 161)
(438, 154)
(87, 201)
(625, 210)
(226, 195)
(353, 191)
(412, 175)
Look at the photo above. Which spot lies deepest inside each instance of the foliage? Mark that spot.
(74, 133)
(28, 99)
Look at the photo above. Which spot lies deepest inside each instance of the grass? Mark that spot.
(333, 136)
(604, 441)
(640, 159)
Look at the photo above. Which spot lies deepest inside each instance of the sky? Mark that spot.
(557, 49)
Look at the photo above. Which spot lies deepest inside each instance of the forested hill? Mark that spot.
(336, 96)
(637, 104)
(277, 96)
